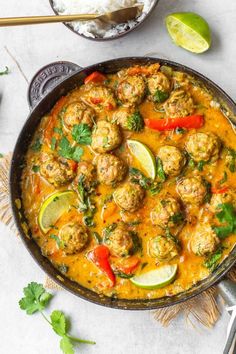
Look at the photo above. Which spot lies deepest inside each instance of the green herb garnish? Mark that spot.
(58, 130)
(81, 133)
(160, 171)
(232, 163)
(86, 205)
(5, 72)
(35, 168)
(57, 239)
(36, 299)
(227, 216)
(69, 152)
(36, 146)
(1, 156)
(224, 178)
(53, 143)
(97, 237)
(213, 260)
(160, 96)
(208, 194)
(135, 122)
(200, 165)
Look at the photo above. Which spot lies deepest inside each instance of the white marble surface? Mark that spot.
(115, 331)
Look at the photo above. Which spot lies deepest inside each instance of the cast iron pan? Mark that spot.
(47, 86)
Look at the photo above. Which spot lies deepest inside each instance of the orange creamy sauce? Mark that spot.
(190, 267)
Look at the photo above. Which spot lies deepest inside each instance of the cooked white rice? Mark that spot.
(96, 28)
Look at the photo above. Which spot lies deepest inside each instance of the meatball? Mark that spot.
(86, 172)
(73, 238)
(128, 118)
(131, 90)
(192, 190)
(110, 169)
(163, 248)
(78, 112)
(167, 212)
(159, 87)
(119, 241)
(129, 196)
(100, 98)
(172, 160)
(204, 240)
(105, 137)
(221, 198)
(56, 170)
(203, 147)
(179, 104)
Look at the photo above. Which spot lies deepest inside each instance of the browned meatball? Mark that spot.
(128, 118)
(204, 240)
(100, 98)
(163, 248)
(222, 198)
(129, 196)
(203, 147)
(105, 137)
(119, 240)
(159, 87)
(173, 160)
(167, 212)
(86, 172)
(131, 90)
(73, 238)
(179, 104)
(110, 169)
(77, 113)
(192, 190)
(56, 170)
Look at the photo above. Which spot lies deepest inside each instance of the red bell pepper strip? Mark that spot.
(129, 265)
(189, 122)
(222, 190)
(100, 257)
(95, 77)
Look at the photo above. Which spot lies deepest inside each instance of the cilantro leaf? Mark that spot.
(53, 143)
(59, 323)
(135, 122)
(35, 168)
(36, 146)
(5, 72)
(227, 216)
(160, 171)
(231, 160)
(213, 260)
(69, 152)
(81, 133)
(36, 298)
(224, 178)
(66, 345)
(160, 96)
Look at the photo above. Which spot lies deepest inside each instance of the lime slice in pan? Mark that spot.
(157, 278)
(54, 207)
(145, 157)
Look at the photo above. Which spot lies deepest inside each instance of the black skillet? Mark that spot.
(47, 86)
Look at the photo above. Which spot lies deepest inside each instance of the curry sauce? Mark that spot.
(81, 145)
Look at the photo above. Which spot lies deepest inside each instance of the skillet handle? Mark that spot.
(47, 78)
(227, 289)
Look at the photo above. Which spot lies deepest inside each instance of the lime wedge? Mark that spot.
(144, 155)
(157, 278)
(189, 31)
(54, 207)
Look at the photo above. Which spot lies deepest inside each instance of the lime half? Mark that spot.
(145, 157)
(157, 278)
(54, 207)
(189, 31)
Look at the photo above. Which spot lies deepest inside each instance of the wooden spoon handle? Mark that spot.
(18, 21)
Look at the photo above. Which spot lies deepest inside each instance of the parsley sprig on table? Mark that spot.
(5, 72)
(36, 299)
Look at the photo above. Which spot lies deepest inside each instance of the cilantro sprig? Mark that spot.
(227, 216)
(36, 299)
(69, 152)
(5, 72)
(81, 133)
